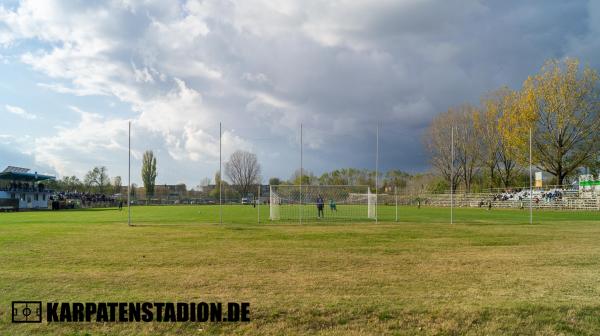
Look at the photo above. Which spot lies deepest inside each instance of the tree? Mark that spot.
(437, 143)
(214, 193)
(561, 106)
(133, 187)
(117, 184)
(149, 173)
(205, 182)
(566, 106)
(486, 123)
(595, 166)
(226, 194)
(274, 181)
(98, 179)
(396, 178)
(336, 177)
(67, 183)
(495, 155)
(308, 178)
(243, 170)
(467, 144)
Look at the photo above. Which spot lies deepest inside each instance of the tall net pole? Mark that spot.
(258, 203)
(530, 182)
(452, 176)
(129, 178)
(301, 175)
(377, 175)
(220, 179)
(396, 194)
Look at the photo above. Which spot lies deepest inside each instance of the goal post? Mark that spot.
(321, 202)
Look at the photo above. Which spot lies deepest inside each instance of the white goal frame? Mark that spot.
(340, 202)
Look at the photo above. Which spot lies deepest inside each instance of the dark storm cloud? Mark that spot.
(340, 68)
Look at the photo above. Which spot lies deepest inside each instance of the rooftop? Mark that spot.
(22, 174)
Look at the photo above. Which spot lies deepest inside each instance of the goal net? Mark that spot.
(292, 202)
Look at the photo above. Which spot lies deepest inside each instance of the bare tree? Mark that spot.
(97, 178)
(243, 170)
(117, 184)
(486, 126)
(468, 145)
(438, 144)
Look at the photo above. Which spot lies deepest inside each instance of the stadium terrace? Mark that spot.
(20, 189)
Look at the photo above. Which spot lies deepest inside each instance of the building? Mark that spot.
(163, 191)
(20, 189)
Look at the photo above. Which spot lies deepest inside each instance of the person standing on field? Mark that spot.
(320, 205)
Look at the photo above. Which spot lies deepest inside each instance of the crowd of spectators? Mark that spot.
(85, 199)
(520, 195)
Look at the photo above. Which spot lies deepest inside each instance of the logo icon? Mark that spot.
(27, 311)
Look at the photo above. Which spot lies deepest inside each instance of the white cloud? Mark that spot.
(20, 112)
(266, 66)
(6, 139)
(95, 140)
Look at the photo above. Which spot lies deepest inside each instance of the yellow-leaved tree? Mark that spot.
(561, 106)
(496, 156)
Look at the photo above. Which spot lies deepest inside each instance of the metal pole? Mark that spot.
(377, 176)
(220, 179)
(258, 203)
(452, 176)
(530, 181)
(396, 193)
(129, 179)
(301, 174)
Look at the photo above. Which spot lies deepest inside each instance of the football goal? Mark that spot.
(311, 202)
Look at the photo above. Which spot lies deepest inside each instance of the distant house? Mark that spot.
(164, 191)
(20, 189)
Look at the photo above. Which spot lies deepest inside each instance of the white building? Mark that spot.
(20, 189)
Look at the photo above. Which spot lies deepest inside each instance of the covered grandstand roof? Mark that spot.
(22, 174)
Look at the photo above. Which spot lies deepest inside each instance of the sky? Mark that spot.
(74, 73)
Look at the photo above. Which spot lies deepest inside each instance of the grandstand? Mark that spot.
(585, 195)
(20, 189)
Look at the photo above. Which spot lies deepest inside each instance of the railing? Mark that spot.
(565, 202)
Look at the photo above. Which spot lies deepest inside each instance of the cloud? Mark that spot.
(94, 140)
(262, 68)
(20, 112)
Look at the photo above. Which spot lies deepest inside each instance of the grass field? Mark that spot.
(490, 273)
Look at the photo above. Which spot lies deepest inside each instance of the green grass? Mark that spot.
(490, 273)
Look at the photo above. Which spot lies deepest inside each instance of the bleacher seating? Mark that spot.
(568, 201)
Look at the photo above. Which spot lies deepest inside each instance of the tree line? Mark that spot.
(95, 181)
(559, 105)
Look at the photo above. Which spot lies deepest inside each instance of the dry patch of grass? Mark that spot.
(334, 279)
